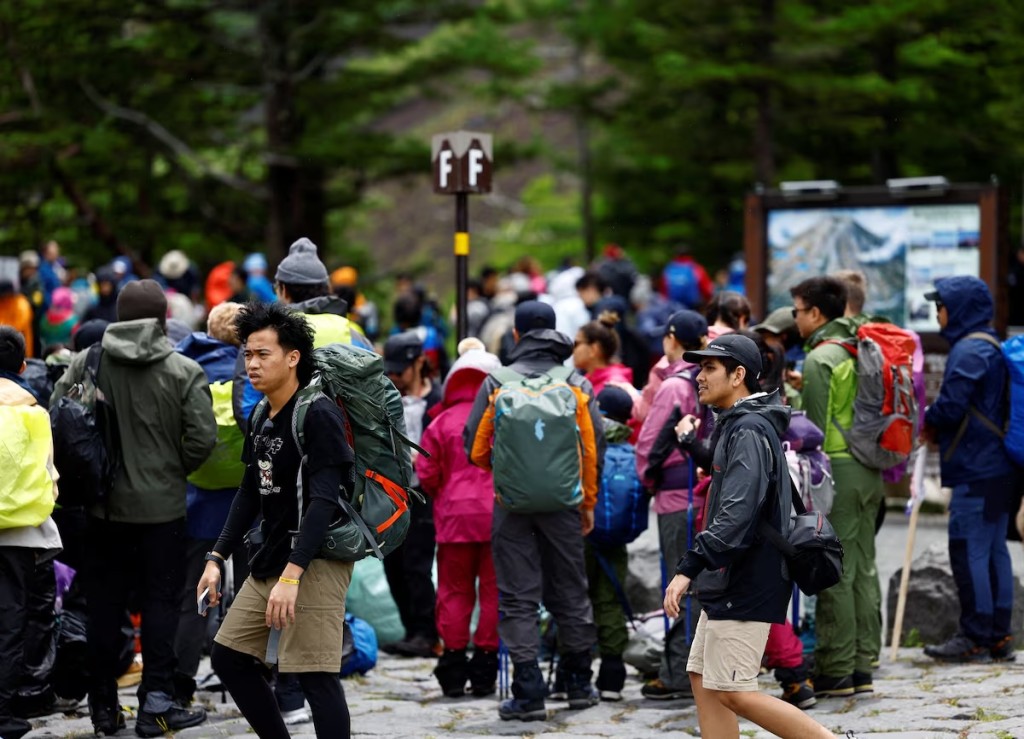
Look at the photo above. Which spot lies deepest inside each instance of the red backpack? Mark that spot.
(885, 410)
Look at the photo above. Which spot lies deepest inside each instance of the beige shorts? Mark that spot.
(313, 642)
(727, 654)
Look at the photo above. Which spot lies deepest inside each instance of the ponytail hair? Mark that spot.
(602, 332)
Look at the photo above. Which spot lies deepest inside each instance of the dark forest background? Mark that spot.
(228, 126)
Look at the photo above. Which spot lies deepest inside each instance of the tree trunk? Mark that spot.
(297, 198)
(764, 128)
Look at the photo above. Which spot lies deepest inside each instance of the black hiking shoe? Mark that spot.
(1003, 651)
(833, 687)
(800, 694)
(174, 718)
(863, 682)
(656, 690)
(959, 649)
(106, 722)
(523, 709)
(452, 672)
(483, 673)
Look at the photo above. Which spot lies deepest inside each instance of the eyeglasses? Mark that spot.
(799, 310)
(939, 306)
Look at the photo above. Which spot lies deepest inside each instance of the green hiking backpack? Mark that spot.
(224, 467)
(376, 511)
(537, 457)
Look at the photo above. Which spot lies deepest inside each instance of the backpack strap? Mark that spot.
(771, 534)
(849, 345)
(506, 374)
(92, 363)
(972, 410)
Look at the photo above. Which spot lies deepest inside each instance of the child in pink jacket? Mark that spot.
(463, 509)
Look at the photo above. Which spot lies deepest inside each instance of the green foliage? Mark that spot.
(913, 639)
(226, 127)
(216, 127)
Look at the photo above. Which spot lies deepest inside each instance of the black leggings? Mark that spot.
(247, 681)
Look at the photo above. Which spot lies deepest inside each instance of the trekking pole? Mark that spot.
(503, 681)
(689, 542)
(914, 508)
(664, 587)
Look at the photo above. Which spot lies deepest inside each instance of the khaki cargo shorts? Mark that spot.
(313, 642)
(727, 654)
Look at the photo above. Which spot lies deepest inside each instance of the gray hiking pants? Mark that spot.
(538, 558)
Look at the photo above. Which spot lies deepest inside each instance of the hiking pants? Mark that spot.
(147, 559)
(849, 616)
(409, 570)
(673, 535)
(538, 558)
(609, 615)
(982, 569)
(459, 567)
(17, 565)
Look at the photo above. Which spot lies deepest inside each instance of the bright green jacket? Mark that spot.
(830, 382)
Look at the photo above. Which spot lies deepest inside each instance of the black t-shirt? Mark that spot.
(270, 486)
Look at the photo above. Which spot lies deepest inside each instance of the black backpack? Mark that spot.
(813, 552)
(84, 435)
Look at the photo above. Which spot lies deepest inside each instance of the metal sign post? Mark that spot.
(462, 164)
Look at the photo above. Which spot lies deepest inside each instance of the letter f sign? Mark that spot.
(445, 166)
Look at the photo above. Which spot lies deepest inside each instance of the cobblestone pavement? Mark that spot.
(914, 698)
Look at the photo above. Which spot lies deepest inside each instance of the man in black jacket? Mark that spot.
(741, 579)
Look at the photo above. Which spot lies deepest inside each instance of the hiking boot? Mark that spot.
(14, 727)
(174, 718)
(611, 678)
(523, 709)
(579, 691)
(452, 672)
(418, 646)
(958, 649)
(863, 682)
(656, 690)
(583, 696)
(799, 694)
(556, 688)
(1003, 651)
(833, 687)
(483, 673)
(106, 722)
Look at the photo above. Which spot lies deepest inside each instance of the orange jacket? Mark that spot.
(16, 311)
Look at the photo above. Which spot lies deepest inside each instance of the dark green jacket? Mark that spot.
(164, 417)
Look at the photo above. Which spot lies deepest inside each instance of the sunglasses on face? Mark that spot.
(797, 311)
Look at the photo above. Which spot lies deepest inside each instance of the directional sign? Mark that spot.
(462, 162)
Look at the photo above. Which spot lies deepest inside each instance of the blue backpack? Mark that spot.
(621, 512)
(1012, 433)
(358, 647)
(681, 284)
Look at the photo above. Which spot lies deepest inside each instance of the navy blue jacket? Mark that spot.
(975, 376)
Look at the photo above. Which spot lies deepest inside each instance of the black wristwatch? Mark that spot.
(211, 557)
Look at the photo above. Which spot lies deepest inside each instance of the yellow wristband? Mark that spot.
(288, 580)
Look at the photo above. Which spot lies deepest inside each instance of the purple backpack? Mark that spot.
(809, 466)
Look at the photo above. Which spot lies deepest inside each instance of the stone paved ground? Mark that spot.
(914, 698)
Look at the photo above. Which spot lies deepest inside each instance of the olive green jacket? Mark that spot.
(164, 418)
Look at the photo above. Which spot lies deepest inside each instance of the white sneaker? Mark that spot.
(611, 695)
(298, 716)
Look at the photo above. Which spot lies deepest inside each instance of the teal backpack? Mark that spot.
(376, 511)
(537, 458)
